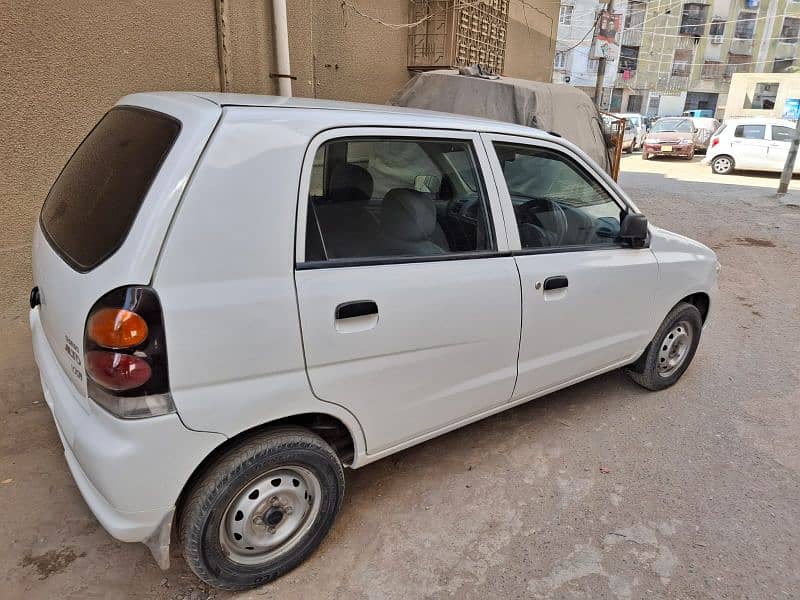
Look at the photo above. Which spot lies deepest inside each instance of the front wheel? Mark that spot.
(671, 350)
(645, 155)
(261, 508)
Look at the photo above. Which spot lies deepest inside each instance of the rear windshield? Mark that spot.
(93, 203)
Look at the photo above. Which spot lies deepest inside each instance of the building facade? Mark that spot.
(65, 63)
(575, 60)
(683, 55)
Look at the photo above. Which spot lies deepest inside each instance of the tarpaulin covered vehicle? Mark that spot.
(560, 109)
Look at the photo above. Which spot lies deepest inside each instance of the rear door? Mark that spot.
(749, 146)
(780, 140)
(586, 298)
(106, 215)
(409, 302)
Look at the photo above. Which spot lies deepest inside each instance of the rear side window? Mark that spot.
(94, 202)
(750, 132)
(376, 198)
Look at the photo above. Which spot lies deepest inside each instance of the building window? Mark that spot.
(682, 63)
(745, 26)
(782, 64)
(790, 30)
(592, 65)
(634, 18)
(712, 70)
(693, 19)
(560, 62)
(628, 58)
(565, 14)
(761, 96)
(717, 27)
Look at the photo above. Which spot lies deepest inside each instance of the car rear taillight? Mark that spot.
(125, 354)
(714, 141)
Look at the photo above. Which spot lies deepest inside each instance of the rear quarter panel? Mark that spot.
(226, 281)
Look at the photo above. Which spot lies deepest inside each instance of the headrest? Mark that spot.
(408, 215)
(350, 183)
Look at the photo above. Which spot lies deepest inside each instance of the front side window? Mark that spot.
(556, 202)
(750, 132)
(782, 134)
(396, 197)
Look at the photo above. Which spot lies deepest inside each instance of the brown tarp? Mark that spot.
(561, 109)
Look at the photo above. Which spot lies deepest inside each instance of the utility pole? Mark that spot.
(788, 167)
(601, 61)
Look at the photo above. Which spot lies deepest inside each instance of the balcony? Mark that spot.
(784, 51)
(631, 37)
(685, 42)
(741, 47)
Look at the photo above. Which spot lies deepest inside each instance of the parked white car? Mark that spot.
(750, 144)
(236, 296)
(638, 125)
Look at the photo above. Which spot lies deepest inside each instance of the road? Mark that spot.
(602, 490)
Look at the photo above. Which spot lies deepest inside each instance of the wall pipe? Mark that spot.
(281, 32)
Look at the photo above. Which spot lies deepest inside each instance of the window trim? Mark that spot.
(605, 181)
(493, 206)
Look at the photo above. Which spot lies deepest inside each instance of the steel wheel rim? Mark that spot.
(270, 515)
(721, 165)
(674, 349)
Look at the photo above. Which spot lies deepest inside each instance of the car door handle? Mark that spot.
(357, 308)
(556, 282)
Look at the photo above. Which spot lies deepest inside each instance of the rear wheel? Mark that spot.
(261, 508)
(722, 165)
(671, 351)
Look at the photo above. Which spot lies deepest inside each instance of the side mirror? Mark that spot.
(634, 229)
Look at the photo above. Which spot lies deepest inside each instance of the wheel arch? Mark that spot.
(330, 428)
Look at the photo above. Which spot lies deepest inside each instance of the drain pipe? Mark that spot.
(281, 32)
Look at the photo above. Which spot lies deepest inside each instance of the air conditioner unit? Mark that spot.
(716, 39)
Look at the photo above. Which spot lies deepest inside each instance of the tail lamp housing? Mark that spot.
(125, 354)
(714, 141)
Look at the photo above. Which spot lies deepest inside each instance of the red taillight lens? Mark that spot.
(117, 372)
(116, 328)
(714, 141)
(125, 354)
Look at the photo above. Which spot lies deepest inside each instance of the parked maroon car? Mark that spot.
(670, 136)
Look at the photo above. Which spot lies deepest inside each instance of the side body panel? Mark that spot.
(225, 279)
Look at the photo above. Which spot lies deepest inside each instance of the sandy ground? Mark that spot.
(602, 490)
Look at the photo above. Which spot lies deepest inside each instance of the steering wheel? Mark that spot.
(548, 219)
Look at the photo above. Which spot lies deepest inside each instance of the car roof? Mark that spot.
(761, 121)
(432, 118)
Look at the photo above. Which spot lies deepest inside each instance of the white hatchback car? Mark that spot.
(750, 144)
(238, 295)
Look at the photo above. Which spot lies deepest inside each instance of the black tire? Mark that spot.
(645, 370)
(208, 499)
(645, 156)
(723, 165)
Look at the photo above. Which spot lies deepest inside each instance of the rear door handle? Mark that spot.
(357, 308)
(556, 282)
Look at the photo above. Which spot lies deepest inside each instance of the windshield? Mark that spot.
(664, 125)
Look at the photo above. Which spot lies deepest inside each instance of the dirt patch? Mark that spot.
(52, 561)
(751, 241)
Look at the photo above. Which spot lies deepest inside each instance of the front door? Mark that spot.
(409, 301)
(586, 298)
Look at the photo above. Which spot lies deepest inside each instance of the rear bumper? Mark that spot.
(130, 473)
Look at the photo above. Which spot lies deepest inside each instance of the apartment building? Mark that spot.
(678, 55)
(574, 60)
